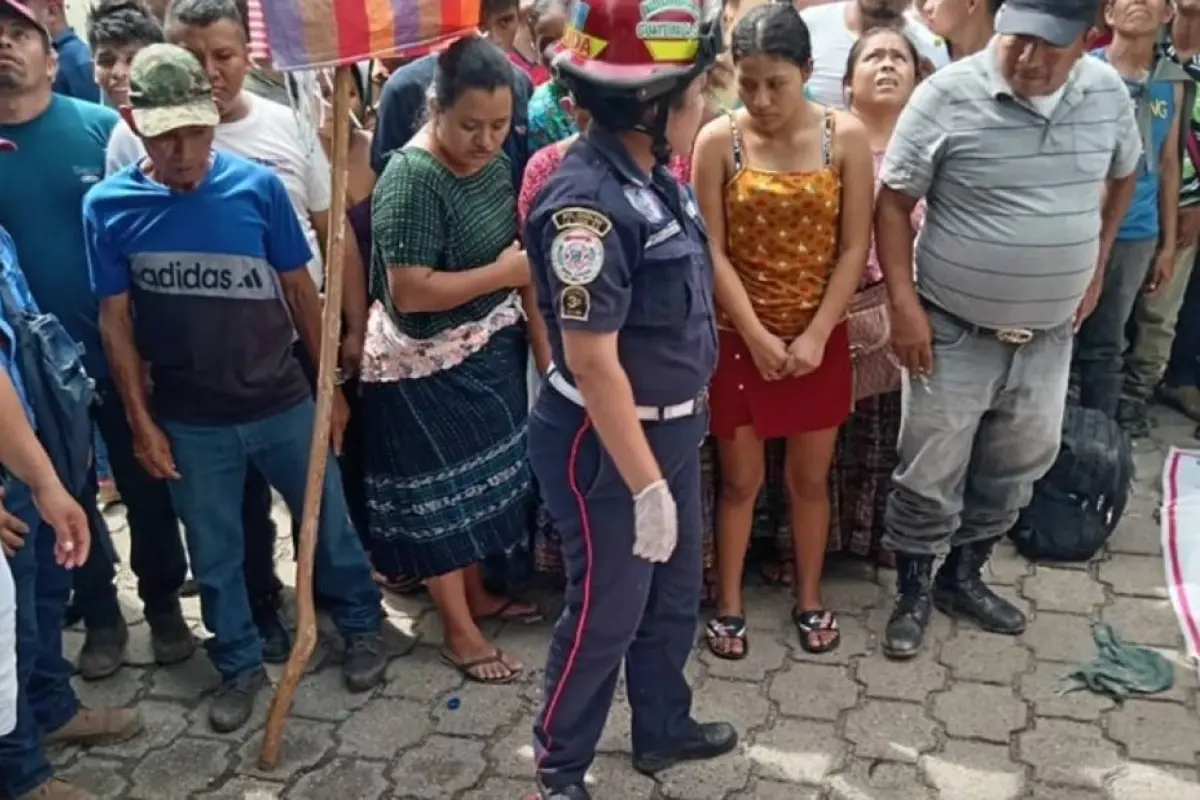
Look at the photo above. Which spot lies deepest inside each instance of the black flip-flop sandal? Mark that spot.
(817, 621)
(466, 668)
(727, 627)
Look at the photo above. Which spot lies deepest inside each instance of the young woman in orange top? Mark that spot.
(773, 180)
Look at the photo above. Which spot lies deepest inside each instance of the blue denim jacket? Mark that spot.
(13, 280)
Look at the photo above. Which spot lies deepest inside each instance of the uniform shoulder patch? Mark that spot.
(587, 219)
(577, 256)
(575, 303)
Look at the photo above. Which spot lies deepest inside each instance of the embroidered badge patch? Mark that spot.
(586, 218)
(577, 256)
(645, 203)
(575, 303)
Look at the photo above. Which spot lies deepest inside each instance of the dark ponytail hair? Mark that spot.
(471, 62)
(772, 29)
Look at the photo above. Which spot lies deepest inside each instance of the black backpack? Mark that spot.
(1078, 503)
(58, 389)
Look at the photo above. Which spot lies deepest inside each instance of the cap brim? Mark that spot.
(1059, 32)
(152, 122)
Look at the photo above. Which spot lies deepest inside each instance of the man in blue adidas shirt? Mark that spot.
(211, 309)
(58, 146)
(57, 539)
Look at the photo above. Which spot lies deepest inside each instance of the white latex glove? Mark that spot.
(655, 523)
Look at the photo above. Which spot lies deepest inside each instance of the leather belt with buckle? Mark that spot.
(1012, 336)
(687, 408)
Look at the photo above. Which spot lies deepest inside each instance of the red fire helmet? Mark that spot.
(645, 47)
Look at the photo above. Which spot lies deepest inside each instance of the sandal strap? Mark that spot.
(816, 620)
(727, 627)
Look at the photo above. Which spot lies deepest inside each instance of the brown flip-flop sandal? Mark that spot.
(502, 614)
(465, 668)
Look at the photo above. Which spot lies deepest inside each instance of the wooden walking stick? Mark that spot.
(331, 326)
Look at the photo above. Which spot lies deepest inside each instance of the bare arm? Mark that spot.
(20, 451)
(300, 294)
(894, 244)
(1170, 179)
(858, 190)
(711, 168)
(354, 277)
(539, 334)
(124, 360)
(608, 395)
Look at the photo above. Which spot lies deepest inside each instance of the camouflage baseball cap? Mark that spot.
(168, 90)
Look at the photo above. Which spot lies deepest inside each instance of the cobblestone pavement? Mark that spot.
(976, 717)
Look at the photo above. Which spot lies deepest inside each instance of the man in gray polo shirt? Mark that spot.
(1025, 153)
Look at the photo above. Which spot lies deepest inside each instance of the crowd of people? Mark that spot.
(625, 325)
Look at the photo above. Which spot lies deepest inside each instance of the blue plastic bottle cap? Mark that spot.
(453, 703)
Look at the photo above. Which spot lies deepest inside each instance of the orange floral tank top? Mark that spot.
(782, 236)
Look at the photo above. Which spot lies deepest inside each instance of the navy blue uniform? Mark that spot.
(613, 249)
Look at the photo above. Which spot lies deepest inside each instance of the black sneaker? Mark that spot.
(103, 651)
(709, 740)
(233, 703)
(365, 662)
(171, 638)
(276, 643)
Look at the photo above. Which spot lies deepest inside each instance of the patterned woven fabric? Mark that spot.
(260, 50)
(306, 34)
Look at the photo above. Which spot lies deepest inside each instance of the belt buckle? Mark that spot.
(1014, 336)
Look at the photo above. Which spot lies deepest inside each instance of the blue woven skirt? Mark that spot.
(447, 482)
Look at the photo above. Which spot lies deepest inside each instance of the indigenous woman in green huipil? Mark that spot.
(443, 376)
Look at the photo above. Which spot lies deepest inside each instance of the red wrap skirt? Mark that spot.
(740, 396)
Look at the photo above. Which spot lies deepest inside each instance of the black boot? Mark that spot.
(905, 632)
(959, 590)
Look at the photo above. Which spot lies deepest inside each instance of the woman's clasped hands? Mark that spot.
(776, 359)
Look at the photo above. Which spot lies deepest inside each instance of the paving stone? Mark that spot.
(856, 641)
(342, 777)
(1060, 637)
(974, 771)
(1156, 731)
(384, 728)
(1154, 782)
(239, 787)
(1043, 687)
(1006, 566)
(766, 655)
(768, 608)
(186, 682)
(444, 766)
(879, 780)
(615, 737)
(772, 790)
(323, 696)
(980, 711)
(100, 776)
(163, 723)
(421, 675)
(848, 595)
(501, 789)
(814, 692)
(1139, 576)
(1143, 621)
(797, 752)
(911, 680)
(512, 755)
(975, 655)
(186, 765)
(118, 691)
(1071, 591)
(305, 743)
(1138, 533)
(1044, 792)
(711, 779)
(890, 731)
(138, 652)
(614, 776)
(481, 710)
(1070, 753)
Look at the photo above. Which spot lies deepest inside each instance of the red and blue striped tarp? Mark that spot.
(309, 34)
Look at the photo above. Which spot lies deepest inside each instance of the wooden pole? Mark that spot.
(331, 325)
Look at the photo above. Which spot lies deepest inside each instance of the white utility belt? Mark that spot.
(687, 408)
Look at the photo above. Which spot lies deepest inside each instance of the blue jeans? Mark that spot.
(45, 700)
(212, 462)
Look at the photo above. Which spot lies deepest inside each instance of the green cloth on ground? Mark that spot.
(1120, 669)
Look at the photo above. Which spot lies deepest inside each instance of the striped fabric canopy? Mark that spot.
(260, 50)
(309, 34)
